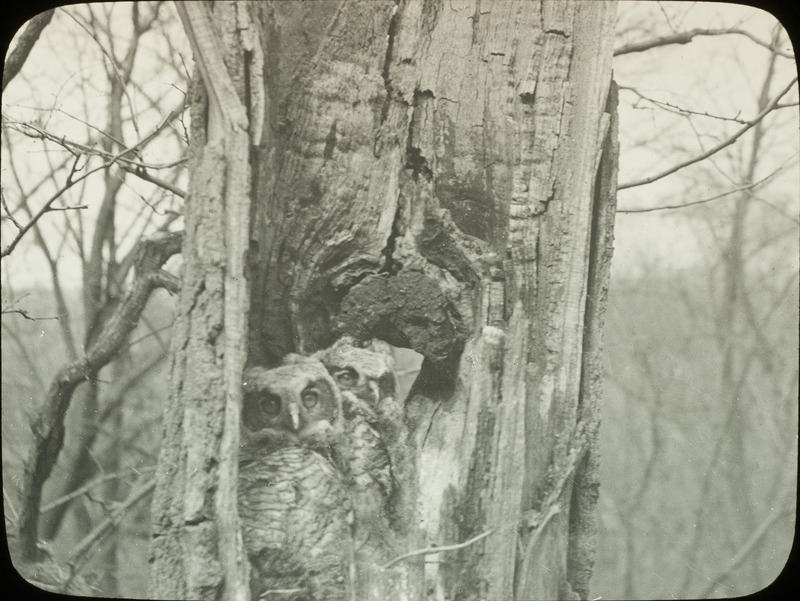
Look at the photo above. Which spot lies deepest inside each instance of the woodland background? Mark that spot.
(699, 433)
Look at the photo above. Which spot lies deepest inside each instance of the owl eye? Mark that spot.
(270, 404)
(347, 377)
(310, 397)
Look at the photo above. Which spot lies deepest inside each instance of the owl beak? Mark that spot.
(294, 411)
(374, 389)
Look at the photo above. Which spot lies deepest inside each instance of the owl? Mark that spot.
(365, 376)
(294, 505)
(372, 439)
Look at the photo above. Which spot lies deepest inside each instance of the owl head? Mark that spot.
(366, 372)
(295, 403)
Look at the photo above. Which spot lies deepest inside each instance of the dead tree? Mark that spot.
(437, 175)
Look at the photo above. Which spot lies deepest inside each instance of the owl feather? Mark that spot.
(294, 505)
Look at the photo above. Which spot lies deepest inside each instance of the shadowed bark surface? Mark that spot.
(441, 176)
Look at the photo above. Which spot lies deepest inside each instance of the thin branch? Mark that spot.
(153, 333)
(78, 558)
(71, 181)
(9, 215)
(65, 324)
(77, 148)
(122, 69)
(704, 200)
(142, 174)
(686, 37)
(675, 109)
(19, 55)
(27, 315)
(431, 550)
(704, 155)
(90, 485)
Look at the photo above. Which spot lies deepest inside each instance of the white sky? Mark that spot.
(721, 75)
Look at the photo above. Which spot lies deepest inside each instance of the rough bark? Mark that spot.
(430, 174)
(197, 546)
(433, 178)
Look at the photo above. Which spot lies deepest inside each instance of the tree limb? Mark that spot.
(80, 555)
(704, 155)
(48, 428)
(19, 55)
(686, 37)
(71, 181)
(702, 200)
(744, 550)
(90, 485)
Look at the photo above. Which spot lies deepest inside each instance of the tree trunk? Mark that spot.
(440, 176)
(197, 544)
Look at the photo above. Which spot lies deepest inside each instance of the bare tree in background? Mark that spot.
(90, 213)
(702, 357)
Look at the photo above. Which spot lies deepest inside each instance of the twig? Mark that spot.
(26, 315)
(675, 109)
(704, 155)
(47, 206)
(9, 216)
(78, 149)
(431, 550)
(78, 558)
(704, 200)
(142, 174)
(70, 208)
(67, 185)
(687, 36)
(90, 485)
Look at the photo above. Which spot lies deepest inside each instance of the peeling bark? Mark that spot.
(197, 544)
(438, 175)
(432, 183)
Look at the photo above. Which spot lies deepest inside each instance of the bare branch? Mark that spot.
(673, 108)
(80, 555)
(142, 174)
(704, 200)
(431, 550)
(686, 37)
(27, 315)
(9, 216)
(71, 181)
(65, 324)
(94, 483)
(19, 55)
(48, 428)
(77, 148)
(704, 155)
